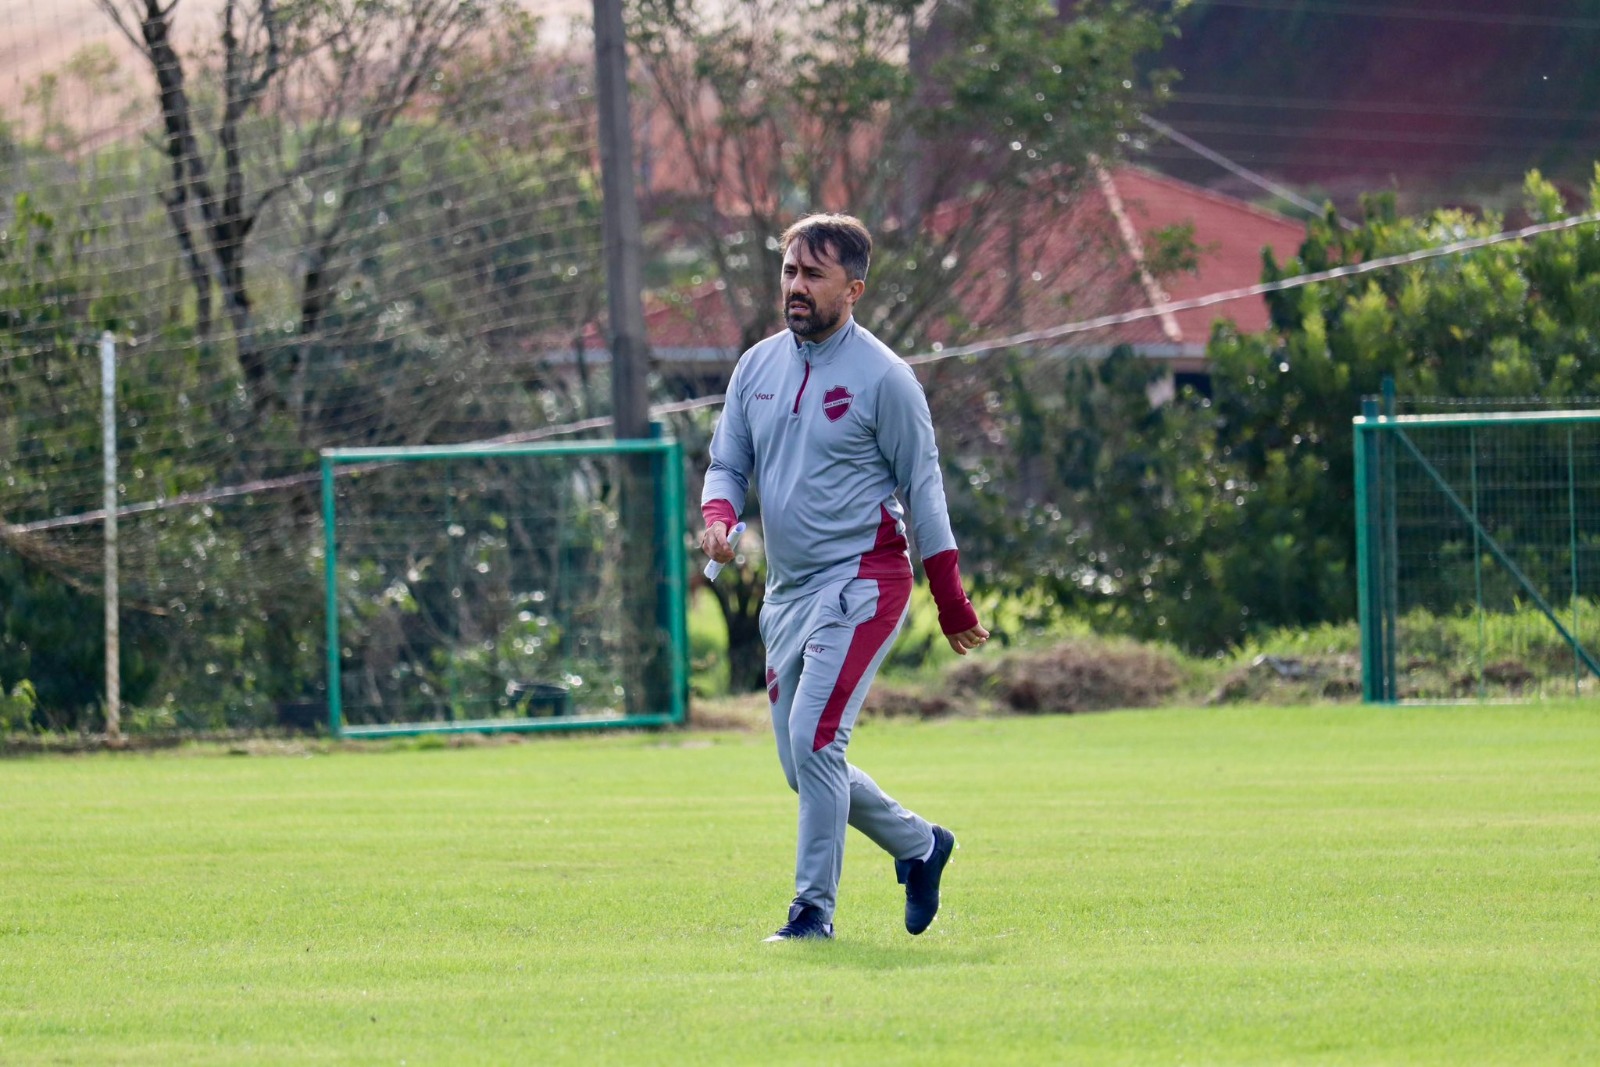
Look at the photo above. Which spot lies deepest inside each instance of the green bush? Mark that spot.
(16, 708)
(708, 647)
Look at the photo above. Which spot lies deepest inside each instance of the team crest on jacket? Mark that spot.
(835, 402)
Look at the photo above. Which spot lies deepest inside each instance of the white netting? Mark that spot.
(304, 230)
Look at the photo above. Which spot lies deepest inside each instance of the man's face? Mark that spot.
(817, 294)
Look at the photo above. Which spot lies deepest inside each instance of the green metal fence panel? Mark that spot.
(1478, 543)
(481, 588)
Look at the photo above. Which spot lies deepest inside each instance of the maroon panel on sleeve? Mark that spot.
(956, 614)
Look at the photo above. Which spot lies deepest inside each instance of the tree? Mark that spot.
(1514, 320)
(1204, 522)
(345, 70)
(956, 131)
(839, 104)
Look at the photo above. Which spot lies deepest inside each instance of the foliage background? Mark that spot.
(346, 242)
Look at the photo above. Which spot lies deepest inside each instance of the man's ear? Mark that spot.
(857, 287)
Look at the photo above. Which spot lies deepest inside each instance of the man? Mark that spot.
(836, 431)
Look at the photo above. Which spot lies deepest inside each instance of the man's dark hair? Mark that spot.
(851, 244)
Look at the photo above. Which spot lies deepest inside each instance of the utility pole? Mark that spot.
(646, 673)
(630, 349)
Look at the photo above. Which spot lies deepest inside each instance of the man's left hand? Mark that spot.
(967, 640)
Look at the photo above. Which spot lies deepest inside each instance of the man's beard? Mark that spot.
(814, 323)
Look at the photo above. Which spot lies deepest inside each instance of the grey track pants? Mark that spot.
(823, 651)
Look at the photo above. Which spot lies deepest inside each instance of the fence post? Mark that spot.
(1363, 564)
(1390, 520)
(330, 577)
(1477, 560)
(108, 444)
(1375, 683)
(1572, 555)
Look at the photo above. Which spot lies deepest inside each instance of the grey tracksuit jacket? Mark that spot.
(832, 432)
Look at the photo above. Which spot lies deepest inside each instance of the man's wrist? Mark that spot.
(957, 618)
(715, 511)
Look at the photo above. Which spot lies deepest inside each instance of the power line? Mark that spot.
(1301, 103)
(1237, 169)
(1384, 166)
(1377, 11)
(1261, 289)
(1385, 136)
(976, 348)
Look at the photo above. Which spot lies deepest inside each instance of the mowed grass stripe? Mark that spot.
(1341, 885)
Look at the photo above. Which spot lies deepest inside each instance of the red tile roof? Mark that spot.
(1090, 262)
(1230, 234)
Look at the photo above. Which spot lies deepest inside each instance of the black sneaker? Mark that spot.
(805, 923)
(921, 879)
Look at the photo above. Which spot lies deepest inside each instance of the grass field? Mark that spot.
(1324, 885)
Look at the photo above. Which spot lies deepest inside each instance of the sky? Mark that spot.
(40, 36)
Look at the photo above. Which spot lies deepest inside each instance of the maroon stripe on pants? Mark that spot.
(864, 645)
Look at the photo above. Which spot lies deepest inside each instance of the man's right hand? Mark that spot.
(714, 542)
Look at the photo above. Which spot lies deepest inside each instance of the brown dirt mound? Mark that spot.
(1074, 676)
(898, 702)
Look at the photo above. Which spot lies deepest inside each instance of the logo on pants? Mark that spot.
(835, 402)
(772, 685)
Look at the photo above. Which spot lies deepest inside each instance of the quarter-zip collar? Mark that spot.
(816, 355)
